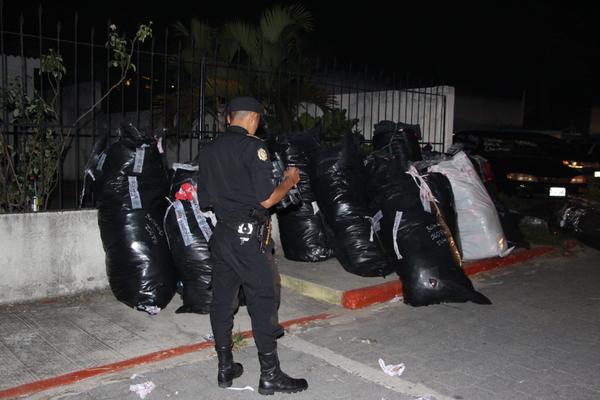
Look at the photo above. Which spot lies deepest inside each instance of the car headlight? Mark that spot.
(516, 176)
(579, 179)
(581, 164)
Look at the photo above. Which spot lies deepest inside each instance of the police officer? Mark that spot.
(235, 177)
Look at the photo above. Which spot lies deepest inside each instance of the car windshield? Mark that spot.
(588, 149)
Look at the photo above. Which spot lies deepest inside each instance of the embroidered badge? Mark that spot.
(262, 154)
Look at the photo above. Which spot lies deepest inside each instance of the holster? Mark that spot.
(264, 236)
(263, 218)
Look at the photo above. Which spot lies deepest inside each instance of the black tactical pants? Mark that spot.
(238, 261)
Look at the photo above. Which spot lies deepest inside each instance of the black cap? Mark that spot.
(244, 104)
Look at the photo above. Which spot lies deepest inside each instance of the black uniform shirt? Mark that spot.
(235, 174)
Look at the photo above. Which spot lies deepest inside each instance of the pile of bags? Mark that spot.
(417, 225)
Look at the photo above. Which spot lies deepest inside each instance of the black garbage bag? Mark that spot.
(581, 218)
(398, 139)
(423, 251)
(130, 185)
(188, 230)
(301, 228)
(338, 178)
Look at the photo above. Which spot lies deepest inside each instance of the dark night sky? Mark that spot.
(498, 47)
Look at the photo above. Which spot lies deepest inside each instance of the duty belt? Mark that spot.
(249, 229)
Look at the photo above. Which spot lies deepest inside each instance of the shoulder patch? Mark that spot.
(262, 154)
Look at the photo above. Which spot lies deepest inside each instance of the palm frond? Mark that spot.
(246, 36)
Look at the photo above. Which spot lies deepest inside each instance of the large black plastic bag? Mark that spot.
(425, 260)
(339, 183)
(301, 227)
(581, 218)
(130, 188)
(399, 139)
(188, 230)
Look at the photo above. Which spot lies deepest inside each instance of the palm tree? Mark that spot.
(263, 59)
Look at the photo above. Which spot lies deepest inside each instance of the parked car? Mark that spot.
(526, 163)
(584, 156)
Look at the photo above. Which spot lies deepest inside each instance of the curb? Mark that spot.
(74, 377)
(363, 297)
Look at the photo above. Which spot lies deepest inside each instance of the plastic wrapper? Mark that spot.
(399, 139)
(481, 233)
(581, 218)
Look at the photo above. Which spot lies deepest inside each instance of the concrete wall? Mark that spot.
(49, 254)
(52, 254)
(431, 107)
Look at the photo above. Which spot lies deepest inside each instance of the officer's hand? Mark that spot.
(292, 174)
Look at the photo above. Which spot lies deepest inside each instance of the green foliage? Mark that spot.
(271, 66)
(118, 44)
(333, 125)
(32, 156)
(239, 342)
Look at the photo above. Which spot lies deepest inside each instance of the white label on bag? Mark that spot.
(375, 221)
(210, 215)
(184, 228)
(138, 164)
(375, 226)
(200, 218)
(134, 195)
(100, 163)
(315, 207)
(397, 221)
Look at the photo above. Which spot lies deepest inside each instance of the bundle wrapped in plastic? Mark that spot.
(339, 181)
(301, 227)
(188, 230)
(130, 185)
(415, 233)
(399, 139)
(581, 218)
(481, 233)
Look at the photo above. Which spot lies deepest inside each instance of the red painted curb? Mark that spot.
(363, 297)
(73, 377)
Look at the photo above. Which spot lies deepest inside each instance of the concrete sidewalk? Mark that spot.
(47, 339)
(538, 341)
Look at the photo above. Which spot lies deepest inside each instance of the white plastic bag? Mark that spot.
(480, 230)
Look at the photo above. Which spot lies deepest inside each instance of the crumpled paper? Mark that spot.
(142, 389)
(392, 369)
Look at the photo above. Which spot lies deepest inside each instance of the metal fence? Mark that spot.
(186, 93)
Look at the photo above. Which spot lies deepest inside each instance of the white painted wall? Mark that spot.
(14, 69)
(431, 107)
(50, 254)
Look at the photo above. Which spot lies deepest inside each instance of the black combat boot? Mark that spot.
(228, 370)
(273, 379)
